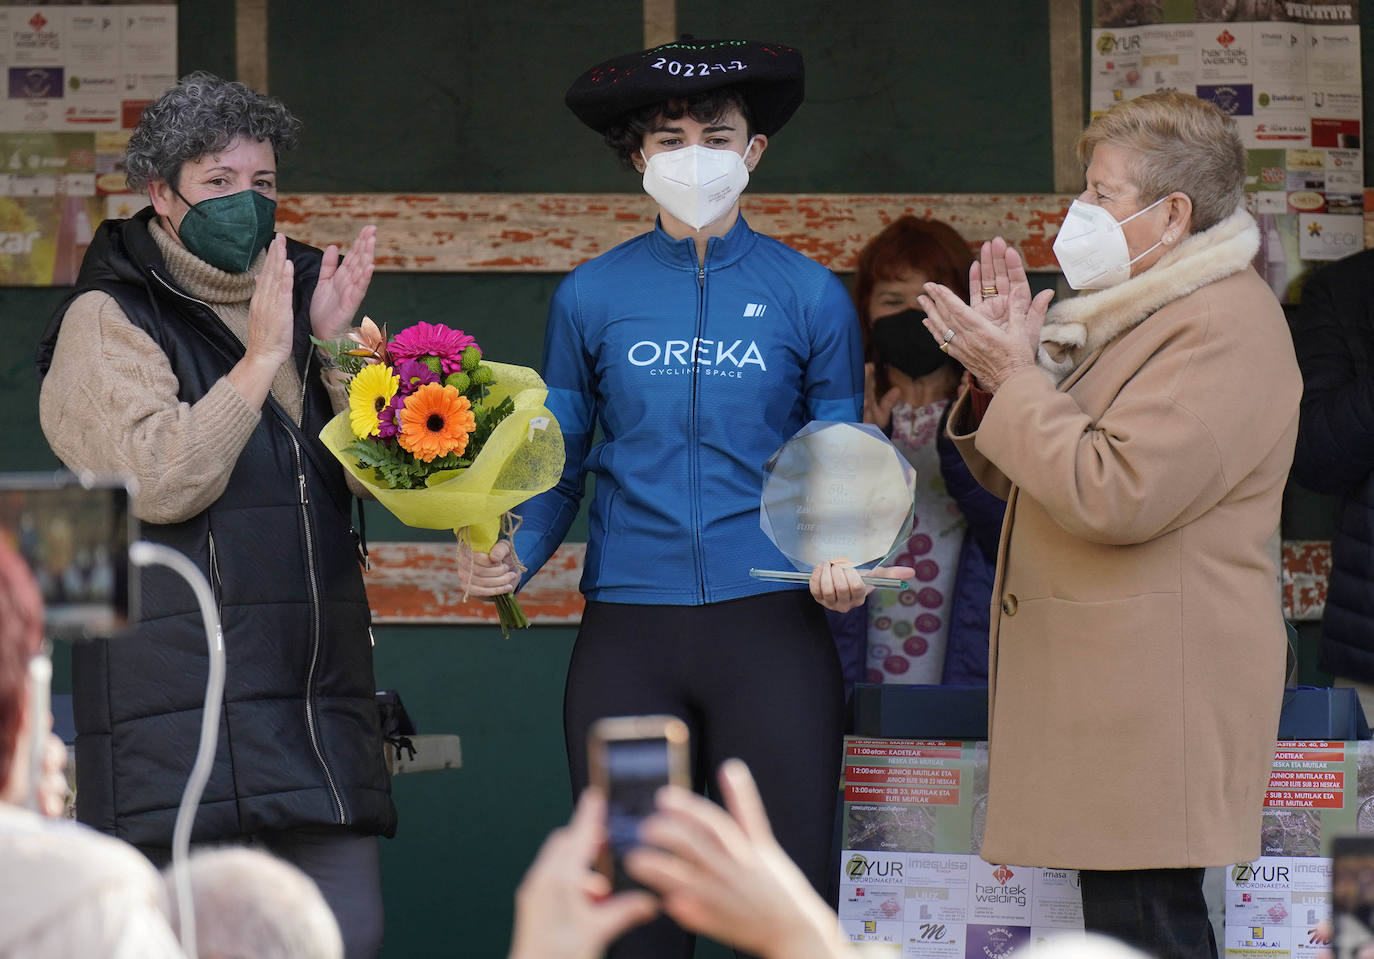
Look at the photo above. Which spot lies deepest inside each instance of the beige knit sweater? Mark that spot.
(109, 404)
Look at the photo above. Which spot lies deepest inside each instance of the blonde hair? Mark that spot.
(250, 903)
(1176, 142)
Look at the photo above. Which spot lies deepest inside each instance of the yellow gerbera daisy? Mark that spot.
(369, 394)
(435, 421)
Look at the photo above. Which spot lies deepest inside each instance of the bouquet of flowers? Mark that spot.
(443, 438)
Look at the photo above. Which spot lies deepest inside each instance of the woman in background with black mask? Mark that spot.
(937, 630)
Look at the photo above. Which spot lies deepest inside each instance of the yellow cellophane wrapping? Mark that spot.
(522, 458)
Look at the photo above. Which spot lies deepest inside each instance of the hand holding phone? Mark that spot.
(561, 909)
(629, 759)
(1352, 897)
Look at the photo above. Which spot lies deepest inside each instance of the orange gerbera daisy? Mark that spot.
(435, 421)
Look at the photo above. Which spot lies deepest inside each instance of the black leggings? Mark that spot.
(754, 678)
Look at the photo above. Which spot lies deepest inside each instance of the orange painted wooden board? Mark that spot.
(553, 232)
(417, 583)
(1306, 570)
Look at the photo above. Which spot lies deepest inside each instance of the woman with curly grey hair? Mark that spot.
(183, 360)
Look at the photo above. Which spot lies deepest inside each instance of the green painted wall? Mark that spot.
(438, 97)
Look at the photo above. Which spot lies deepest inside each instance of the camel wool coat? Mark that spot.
(1137, 640)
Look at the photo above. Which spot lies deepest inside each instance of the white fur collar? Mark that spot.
(1078, 326)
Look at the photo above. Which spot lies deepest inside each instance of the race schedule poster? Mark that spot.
(1289, 73)
(1274, 905)
(911, 881)
(76, 79)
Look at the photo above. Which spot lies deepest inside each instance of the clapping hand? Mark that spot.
(989, 282)
(992, 340)
(342, 285)
(270, 320)
(878, 411)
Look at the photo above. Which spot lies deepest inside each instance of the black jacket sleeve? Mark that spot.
(1333, 336)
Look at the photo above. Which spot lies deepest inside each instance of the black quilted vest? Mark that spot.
(299, 740)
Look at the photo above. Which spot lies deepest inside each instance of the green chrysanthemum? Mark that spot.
(368, 394)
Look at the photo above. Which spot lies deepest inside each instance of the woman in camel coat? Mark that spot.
(1137, 646)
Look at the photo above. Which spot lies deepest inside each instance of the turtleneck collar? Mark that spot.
(199, 278)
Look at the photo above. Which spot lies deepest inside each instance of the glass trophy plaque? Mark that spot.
(836, 491)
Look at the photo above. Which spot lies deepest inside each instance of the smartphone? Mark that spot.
(1352, 895)
(628, 759)
(75, 533)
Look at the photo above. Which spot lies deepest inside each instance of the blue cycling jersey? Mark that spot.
(695, 376)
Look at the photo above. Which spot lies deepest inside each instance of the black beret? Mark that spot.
(768, 75)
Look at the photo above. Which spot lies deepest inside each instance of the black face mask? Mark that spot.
(902, 341)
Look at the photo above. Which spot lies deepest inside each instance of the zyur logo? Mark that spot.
(754, 309)
(861, 867)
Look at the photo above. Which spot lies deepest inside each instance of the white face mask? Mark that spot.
(1091, 247)
(696, 184)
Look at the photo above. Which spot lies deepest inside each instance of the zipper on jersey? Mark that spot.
(694, 447)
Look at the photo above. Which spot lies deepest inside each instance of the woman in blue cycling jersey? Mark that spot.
(677, 363)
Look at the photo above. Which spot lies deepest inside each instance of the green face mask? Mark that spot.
(228, 232)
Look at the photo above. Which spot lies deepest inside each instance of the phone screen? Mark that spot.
(635, 770)
(1352, 896)
(75, 537)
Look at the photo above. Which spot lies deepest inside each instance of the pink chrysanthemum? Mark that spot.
(432, 339)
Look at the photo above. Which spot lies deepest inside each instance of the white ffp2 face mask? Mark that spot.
(696, 184)
(1091, 247)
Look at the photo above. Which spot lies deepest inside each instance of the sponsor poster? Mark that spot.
(75, 80)
(911, 882)
(1317, 790)
(1274, 906)
(1289, 73)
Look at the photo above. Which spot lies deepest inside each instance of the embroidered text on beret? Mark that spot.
(768, 75)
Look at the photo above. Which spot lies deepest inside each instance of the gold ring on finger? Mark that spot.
(989, 291)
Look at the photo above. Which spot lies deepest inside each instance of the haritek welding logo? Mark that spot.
(1004, 891)
(1227, 53)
